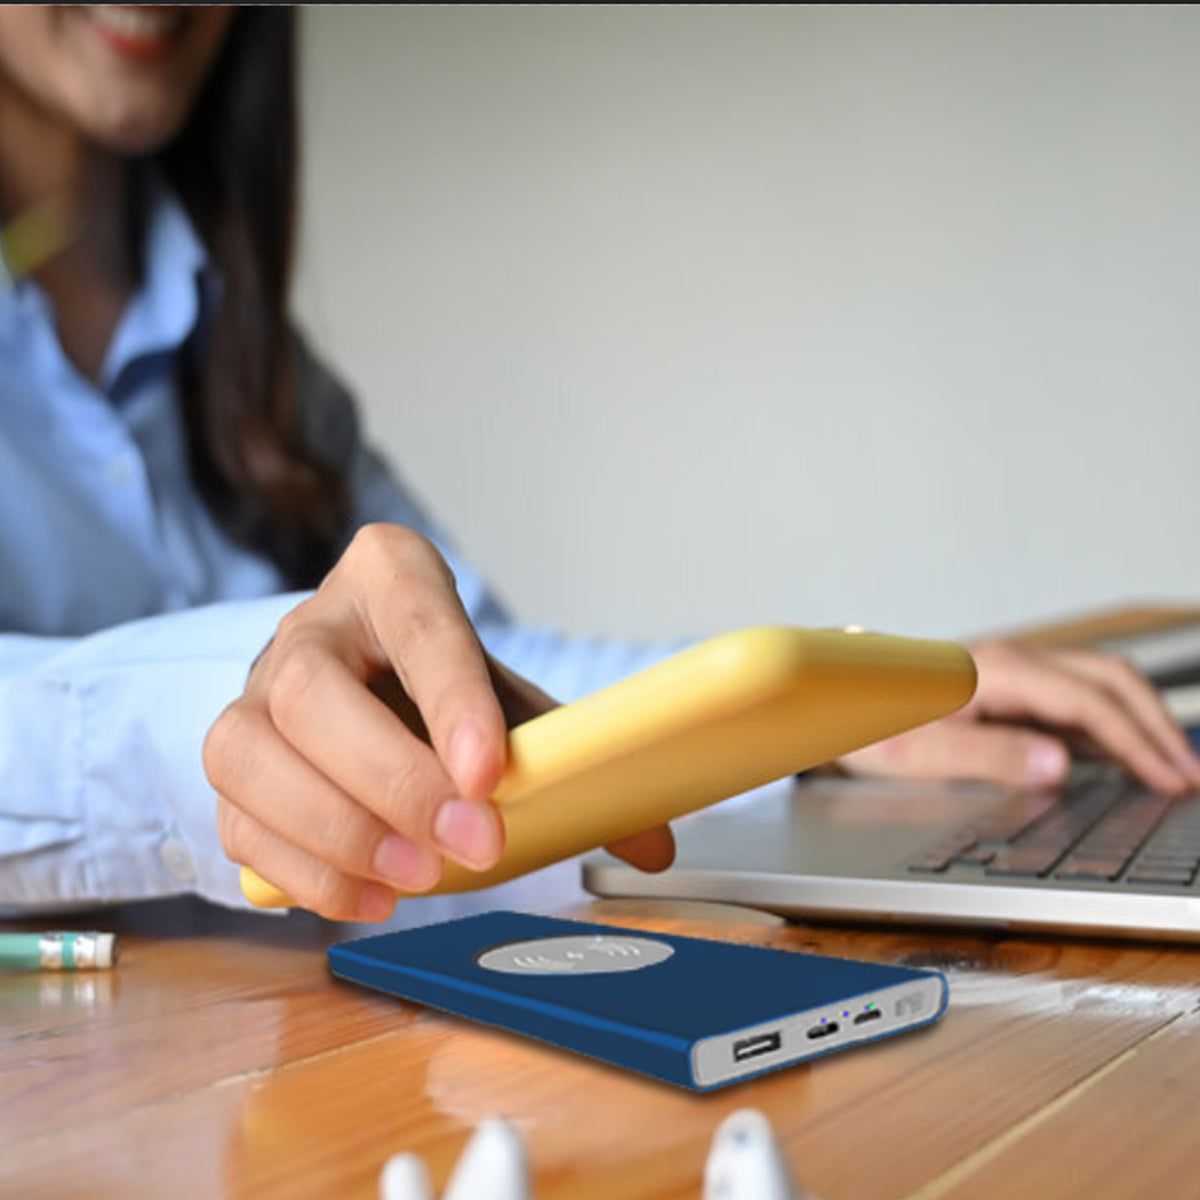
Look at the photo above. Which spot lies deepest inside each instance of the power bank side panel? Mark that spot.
(840, 1024)
(648, 1053)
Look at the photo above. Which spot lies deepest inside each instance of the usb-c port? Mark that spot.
(820, 1031)
(872, 1014)
(752, 1047)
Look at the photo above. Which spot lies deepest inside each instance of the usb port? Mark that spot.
(752, 1047)
(872, 1014)
(820, 1031)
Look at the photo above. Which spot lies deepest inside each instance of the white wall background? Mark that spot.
(685, 318)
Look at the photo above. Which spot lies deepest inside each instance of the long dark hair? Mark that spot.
(234, 166)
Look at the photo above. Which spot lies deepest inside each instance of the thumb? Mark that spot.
(651, 850)
(967, 750)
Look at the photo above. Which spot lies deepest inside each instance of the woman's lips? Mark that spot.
(136, 31)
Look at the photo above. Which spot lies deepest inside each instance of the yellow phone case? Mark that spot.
(721, 717)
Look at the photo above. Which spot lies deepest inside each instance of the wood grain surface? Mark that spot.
(220, 1059)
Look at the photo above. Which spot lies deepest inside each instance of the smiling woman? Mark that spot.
(126, 75)
(199, 456)
(173, 460)
(124, 98)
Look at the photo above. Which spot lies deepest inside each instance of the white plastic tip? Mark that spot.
(745, 1163)
(404, 1178)
(493, 1166)
(106, 950)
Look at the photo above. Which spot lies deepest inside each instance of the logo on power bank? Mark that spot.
(582, 954)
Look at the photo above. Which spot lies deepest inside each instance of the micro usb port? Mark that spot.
(872, 1014)
(753, 1047)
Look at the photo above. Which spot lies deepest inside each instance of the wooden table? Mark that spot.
(221, 1059)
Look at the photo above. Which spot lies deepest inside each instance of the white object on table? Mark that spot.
(404, 1178)
(492, 1167)
(745, 1162)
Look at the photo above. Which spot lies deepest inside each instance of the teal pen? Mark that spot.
(57, 951)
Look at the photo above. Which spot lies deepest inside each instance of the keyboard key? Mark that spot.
(1077, 867)
(1171, 875)
(1090, 832)
(1171, 845)
(976, 856)
(939, 856)
(929, 866)
(1009, 822)
(1163, 859)
(1024, 860)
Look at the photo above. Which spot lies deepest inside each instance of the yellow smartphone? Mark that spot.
(719, 718)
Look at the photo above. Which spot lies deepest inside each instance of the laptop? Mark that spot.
(1104, 856)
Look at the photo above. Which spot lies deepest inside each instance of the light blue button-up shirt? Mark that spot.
(128, 619)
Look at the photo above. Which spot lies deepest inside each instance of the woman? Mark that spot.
(174, 463)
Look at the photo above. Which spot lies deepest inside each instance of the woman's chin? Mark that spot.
(134, 131)
(123, 77)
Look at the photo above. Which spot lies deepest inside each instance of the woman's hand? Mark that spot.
(1024, 692)
(369, 737)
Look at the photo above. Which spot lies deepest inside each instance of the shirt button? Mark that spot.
(178, 861)
(119, 471)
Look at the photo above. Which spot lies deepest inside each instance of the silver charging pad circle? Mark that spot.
(582, 954)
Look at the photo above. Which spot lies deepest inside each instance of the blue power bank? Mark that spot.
(697, 1013)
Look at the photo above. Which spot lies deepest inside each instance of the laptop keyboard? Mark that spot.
(1103, 828)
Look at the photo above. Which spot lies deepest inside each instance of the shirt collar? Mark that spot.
(177, 288)
(177, 297)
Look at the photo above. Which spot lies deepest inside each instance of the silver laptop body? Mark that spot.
(938, 854)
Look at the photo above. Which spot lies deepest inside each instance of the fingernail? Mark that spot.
(1047, 763)
(463, 828)
(375, 903)
(403, 862)
(1191, 767)
(1186, 765)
